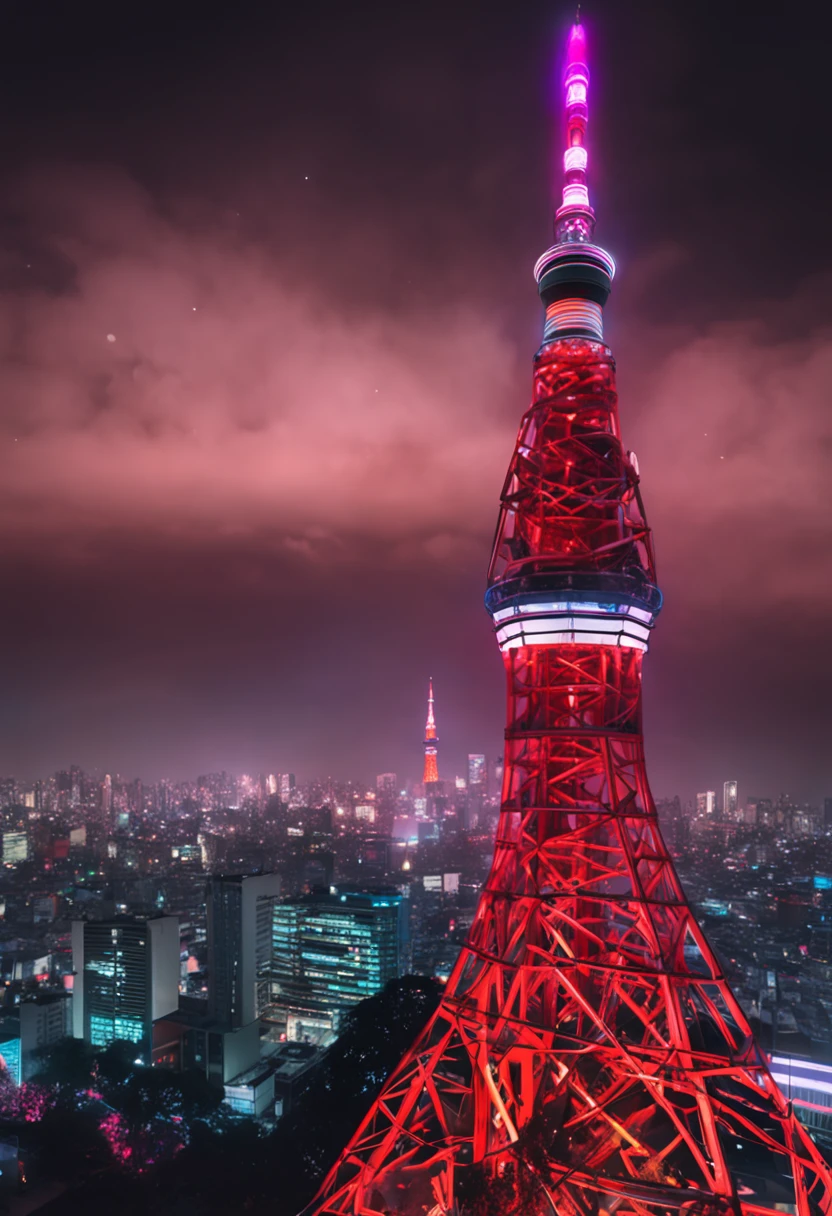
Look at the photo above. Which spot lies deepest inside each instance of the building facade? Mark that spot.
(332, 951)
(126, 975)
(239, 946)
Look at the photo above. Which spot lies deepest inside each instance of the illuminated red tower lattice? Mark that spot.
(430, 776)
(588, 1056)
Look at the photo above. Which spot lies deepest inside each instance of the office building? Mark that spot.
(332, 951)
(126, 976)
(15, 848)
(292, 1063)
(251, 1093)
(37, 1023)
(477, 773)
(730, 802)
(706, 803)
(239, 946)
(285, 786)
(10, 1055)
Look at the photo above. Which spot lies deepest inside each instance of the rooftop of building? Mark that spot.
(124, 920)
(44, 998)
(252, 1077)
(242, 876)
(289, 1060)
(372, 896)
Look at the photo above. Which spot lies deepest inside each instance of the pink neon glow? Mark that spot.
(574, 158)
(576, 50)
(575, 195)
(576, 81)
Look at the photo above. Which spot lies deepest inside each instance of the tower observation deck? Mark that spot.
(588, 1056)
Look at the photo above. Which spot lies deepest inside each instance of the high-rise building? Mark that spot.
(760, 811)
(706, 804)
(15, 848)
(387, 794)
(477, 773)
(730, 801)
(386, 785)
(107, 801)
(39, 1022)
(126, 975)
(469, 811)
(332, 951)
(285, 786)
(430, 774)
(239, 945)
(587, 1055)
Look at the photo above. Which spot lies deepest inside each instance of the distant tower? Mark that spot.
(430, 776)
(588, 1056)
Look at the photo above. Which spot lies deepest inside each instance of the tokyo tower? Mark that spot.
(430, 776)
(588, 1056)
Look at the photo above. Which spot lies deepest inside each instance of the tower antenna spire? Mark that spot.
(575, 219)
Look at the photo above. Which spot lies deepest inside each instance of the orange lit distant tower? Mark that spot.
(588, 1057)
(430, 777)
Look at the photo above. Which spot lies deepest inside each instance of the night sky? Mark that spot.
(266, 326)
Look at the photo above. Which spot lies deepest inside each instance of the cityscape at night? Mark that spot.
(359, 857)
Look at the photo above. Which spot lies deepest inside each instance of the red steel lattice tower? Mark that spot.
(588, 1054)
(430, 776)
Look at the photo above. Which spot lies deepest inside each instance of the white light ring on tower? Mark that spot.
(574, 253)
(552, 625)
(582, 608)
(559, 633)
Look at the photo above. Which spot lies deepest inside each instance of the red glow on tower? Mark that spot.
(588, 1057)
(430, 776)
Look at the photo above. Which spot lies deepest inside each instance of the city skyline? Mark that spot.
(195, 512)
(308, 908)
(457, 770)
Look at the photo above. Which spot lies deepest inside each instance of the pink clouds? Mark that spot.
(236, 400)
(231, 398)
(735, 448)
(267, 463)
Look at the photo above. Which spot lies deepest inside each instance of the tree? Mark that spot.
(374, 1038)
(68, 1062)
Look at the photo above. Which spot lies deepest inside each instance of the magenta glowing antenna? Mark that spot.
(574, 276)
(575, 219)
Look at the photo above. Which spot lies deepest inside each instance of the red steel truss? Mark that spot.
(586, 994)
(587, 1011)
